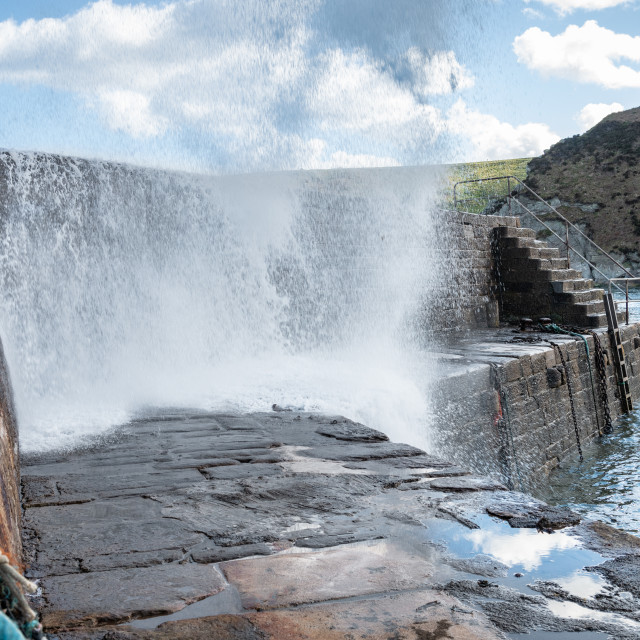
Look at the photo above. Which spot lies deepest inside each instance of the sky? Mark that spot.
(228, 86)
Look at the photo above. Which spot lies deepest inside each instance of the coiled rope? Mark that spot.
(16, 612)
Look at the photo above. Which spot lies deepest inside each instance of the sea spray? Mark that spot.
(125, 289)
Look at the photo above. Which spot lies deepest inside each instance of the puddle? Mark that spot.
(577, 612)
(301, 526)
(227, 601)
(583, 584)
(556, 557)
(538, 556)
(304, 464)
(559, 635)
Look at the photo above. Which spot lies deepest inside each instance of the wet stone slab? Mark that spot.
(274, 526)
(122, 594)
(350, 570)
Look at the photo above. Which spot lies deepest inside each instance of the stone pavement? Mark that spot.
(290, 525)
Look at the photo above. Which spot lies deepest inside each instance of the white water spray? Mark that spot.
(127, 288)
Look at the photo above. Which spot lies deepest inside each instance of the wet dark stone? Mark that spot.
(223, 627)
(515, 612)
(534, 516)
(163, 503)
(239, 471)
(208, 553)
(554, 378)
(418, 462)
(624, 572)
(350, 431)
(349, 452)
(479, 565)
(604, 539)
(323, 541)
(464, 483)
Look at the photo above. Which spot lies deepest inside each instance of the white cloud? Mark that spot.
(436, 74)
(564, 7)
(248, 79)
(130, 112)
(588, 54)
(492, 139)
(354, 92)
(591, 114)
(532, 14)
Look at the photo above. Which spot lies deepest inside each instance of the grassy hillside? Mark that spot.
(601, 167)
(475, 196)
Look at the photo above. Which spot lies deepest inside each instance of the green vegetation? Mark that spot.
(596, 177)
(474, 197)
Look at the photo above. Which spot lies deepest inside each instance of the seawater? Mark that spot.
(126, 288)
(634, 302)
(606, 485)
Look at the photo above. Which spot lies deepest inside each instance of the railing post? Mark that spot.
(455, 198)
(627, 299)
(566, 226)
(509, 193)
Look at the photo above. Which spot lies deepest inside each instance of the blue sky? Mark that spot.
(245, 85)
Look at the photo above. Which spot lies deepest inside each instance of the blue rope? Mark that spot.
(8, 629)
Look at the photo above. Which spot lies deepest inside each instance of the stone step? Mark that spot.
(519, 243)
(525, 265)
(576, 297)
(553, 275)
(549, 252)
(553, 263)
(582, 309)
(579, 284)
(595, 321)
(516, 232)
(525, 253)
(518, 253)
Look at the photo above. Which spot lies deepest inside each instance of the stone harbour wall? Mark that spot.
(466, 297)
(10, 508)
(511, 416)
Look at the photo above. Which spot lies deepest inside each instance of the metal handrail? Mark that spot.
(567, 222)
(626, 292)
(593, 266)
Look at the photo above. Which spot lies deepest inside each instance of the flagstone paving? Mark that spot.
(288, 525)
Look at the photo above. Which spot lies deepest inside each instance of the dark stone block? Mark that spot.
(533, 516)
(554, 377)
(343, 429)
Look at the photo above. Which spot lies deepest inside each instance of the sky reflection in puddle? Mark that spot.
(583, 584)
(540, 556)
(524, 547)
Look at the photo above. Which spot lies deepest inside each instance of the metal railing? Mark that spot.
(522, 187)
(626, 292)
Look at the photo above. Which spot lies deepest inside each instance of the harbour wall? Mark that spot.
(469, 298)
(504, 398)
(511, 409)
(10, 507)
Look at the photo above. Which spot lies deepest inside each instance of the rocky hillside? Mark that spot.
(596, 178)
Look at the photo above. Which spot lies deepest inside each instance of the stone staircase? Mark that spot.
(537, 282)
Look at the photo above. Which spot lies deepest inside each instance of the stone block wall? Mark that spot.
(466, 297)
(536, 431)
(10, 507)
